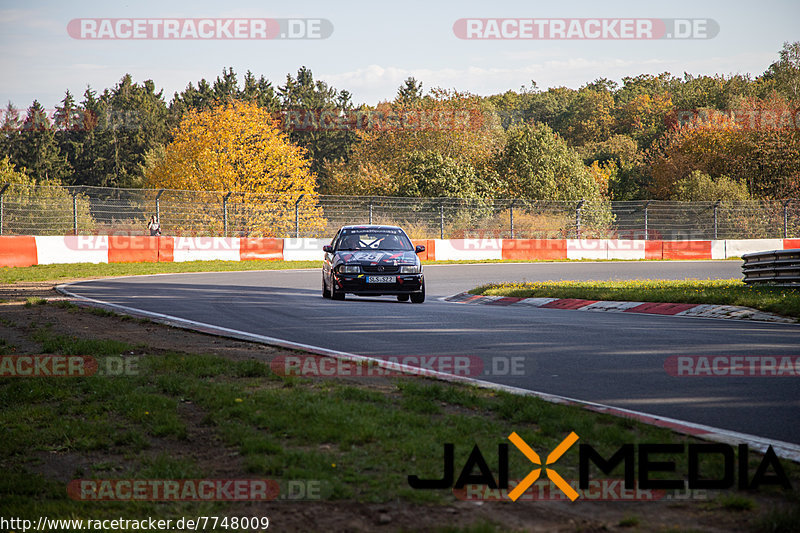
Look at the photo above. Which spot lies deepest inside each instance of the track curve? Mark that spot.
(612, 359)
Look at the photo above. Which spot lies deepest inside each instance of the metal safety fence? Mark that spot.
(38, 210)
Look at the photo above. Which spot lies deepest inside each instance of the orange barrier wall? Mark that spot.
(166, 247)
(430, 248)
(250, 249)
(132, 249)
(18, 251)
(654, 250)
(532, 249)
(687, 249)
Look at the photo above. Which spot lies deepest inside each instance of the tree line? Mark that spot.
(733, 137)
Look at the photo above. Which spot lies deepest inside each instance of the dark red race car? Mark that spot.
(373, 261)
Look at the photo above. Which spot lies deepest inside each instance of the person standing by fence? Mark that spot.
(154, 227)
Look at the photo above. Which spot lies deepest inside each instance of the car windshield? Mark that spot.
(374, 240)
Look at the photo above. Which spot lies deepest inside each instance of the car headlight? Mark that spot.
(409, 269)
(349, 269)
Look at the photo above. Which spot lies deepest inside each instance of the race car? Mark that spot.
(373, 261)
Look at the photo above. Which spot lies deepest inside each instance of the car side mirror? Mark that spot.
(419, 249)
(327, 248)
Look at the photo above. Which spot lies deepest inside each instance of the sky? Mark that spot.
(373, 46)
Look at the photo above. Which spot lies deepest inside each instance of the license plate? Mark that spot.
(381, 279)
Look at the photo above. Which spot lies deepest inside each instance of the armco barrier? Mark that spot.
(780, 267)
(27, 251)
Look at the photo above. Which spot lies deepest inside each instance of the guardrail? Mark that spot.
(775, 267)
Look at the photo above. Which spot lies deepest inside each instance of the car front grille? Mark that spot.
(380, 269)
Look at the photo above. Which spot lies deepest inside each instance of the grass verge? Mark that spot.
(92, 270)
(780, 300)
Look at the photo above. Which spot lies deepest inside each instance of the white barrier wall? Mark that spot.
(304, 249)
(587, 249)
(737, 247)
(206, 249)
(72, 249)
(626, 249)
(468, 249)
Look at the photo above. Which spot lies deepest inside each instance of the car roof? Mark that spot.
(371, 227)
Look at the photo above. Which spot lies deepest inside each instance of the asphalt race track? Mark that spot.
(614, 359)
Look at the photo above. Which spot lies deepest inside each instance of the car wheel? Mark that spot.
(402, 297)
(325, 293)
(418, 297)
(336, 295)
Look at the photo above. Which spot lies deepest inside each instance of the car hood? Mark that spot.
(377, 257)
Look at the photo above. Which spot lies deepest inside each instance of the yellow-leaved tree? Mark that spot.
(236, 147)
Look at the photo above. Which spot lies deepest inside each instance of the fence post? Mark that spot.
(74, 213)
(2, 192)
(578, 218)
(785, 216)
(716, 207)
(441, 220)
(370, 210)
(646, 230)
(225, 214)
(297, 217)
(511, 209)
(158, 205)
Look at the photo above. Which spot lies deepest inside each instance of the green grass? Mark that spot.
(736, 502)
(90, 270)
(780, 300)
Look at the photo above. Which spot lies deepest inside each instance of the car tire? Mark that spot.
(402, 297)
(325, 293)
(335, 295)
(418, 297)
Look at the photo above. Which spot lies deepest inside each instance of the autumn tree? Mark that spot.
(536, 164)
(762, 151)
(700, 187)
(40, 207)
(446, 129)
(784, 75)
(589, 117)
(238, 147)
